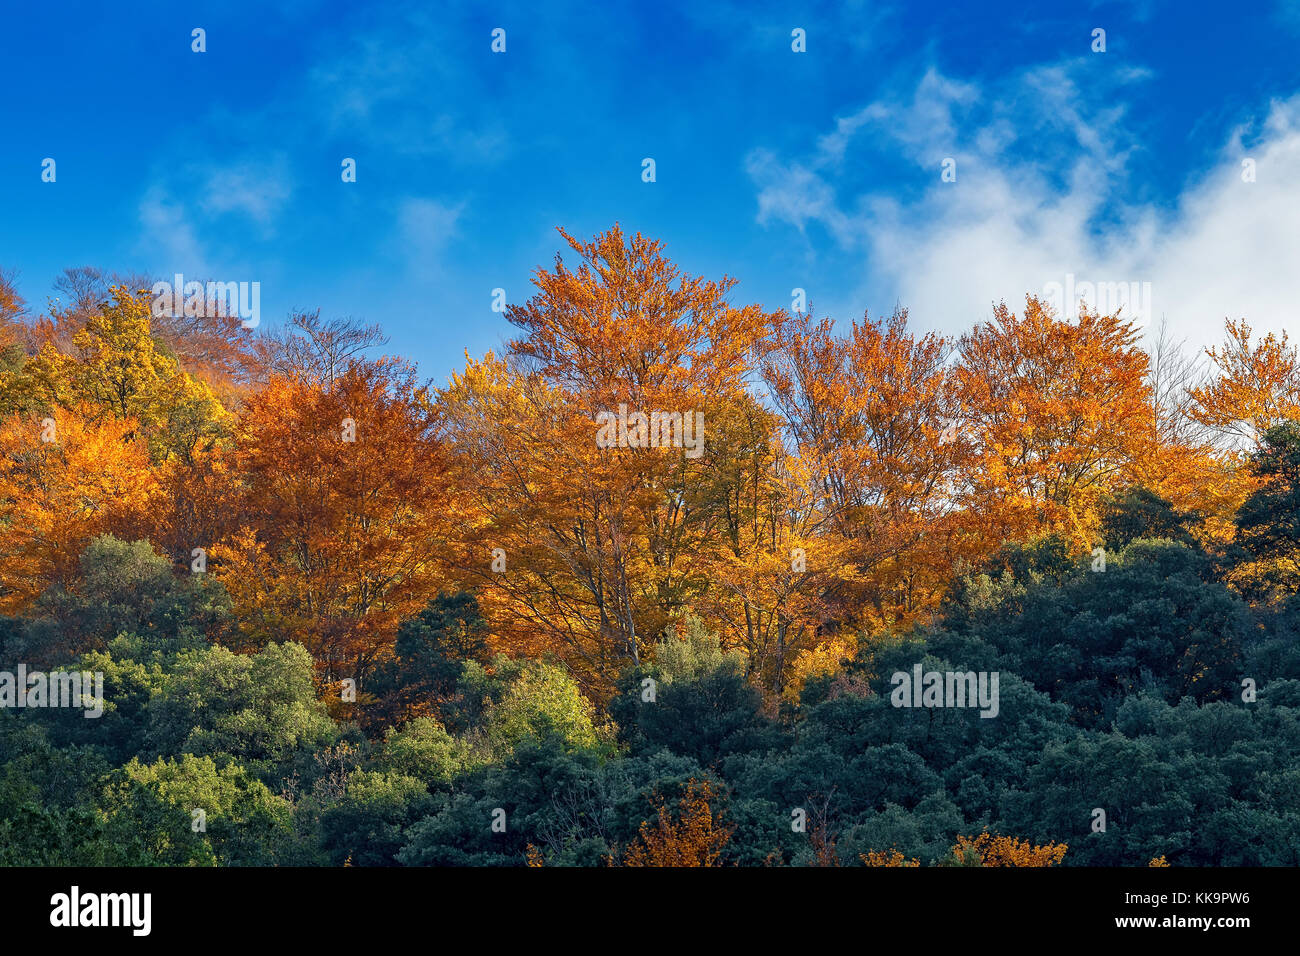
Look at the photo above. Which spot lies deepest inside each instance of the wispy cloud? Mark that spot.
(389, 87)
(257, 189)
(424, 228)
(168, 232)
(1042, 170)
(181, 209)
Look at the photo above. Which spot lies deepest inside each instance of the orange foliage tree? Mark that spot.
(868, 414)
(1252, 385)
(989, 850)
(63, 481)
(342, 507)
(599, 541)
(1054, 416)
(695, 836)
(1256, 385)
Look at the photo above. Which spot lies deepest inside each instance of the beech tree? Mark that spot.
(342, 504)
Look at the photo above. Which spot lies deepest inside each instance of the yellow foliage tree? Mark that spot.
(989, 850)
(695, 836)
(65, 479)
(893, 858)
(1055, 416)
(118, 369)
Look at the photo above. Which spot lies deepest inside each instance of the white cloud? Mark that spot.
(926, 125)
(395, 87)
(1040, 196)
(186, 199)
(796, 194)
(257, 189)
(168, 230)
(425, 227)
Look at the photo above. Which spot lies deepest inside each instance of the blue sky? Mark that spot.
(818, 170)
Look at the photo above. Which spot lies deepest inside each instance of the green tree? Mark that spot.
(153, 810)
(429, 654)
(126, 590)
(1138, 512)
(1267, 549)
(366, 826)
(693, 699)
(260, 710)
(424, 750)
(528, 701)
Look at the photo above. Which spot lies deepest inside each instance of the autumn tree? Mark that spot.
(1054, 416)
(64, 480)
(1255, 385)
(894, 858)
(868, 414)
(13, 336)
(1267, 547)
(986, 849)
(777, 557)
(1252, 385)
(599, 541)
(118, 369)
(553, 535)
(341, 507)
(212, 344)
(1185, 465)
(80, 292)
(695, 835)
(315, 350)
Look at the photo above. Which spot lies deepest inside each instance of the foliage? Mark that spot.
(989, 850)
(359, 620)
(694, 835)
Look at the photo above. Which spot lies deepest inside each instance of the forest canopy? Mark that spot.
(344, 615)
